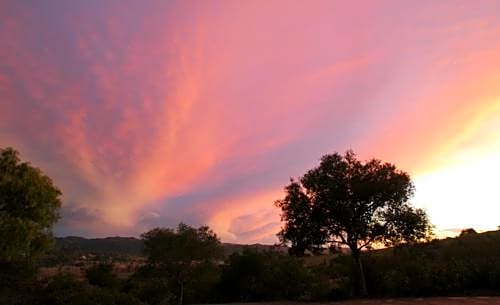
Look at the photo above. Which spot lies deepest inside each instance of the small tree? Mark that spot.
(179, 252)
(467, 232)
(347, 202)
(29, 207)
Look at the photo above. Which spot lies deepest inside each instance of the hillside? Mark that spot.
(469, 245)
(466, 245)
(453, 266)
(134, 246)
(108, 245)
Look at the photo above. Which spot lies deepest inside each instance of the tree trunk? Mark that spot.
(181, 294)
(361, 274)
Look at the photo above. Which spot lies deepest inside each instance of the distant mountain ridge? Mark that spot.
(134, 246)
(107, 245)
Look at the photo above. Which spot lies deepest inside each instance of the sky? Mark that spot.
(148, 113)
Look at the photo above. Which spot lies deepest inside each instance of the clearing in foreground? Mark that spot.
(403, 301)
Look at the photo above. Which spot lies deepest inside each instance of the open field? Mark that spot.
(429, 301)
(402, 301)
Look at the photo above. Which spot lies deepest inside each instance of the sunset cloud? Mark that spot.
(148, 114)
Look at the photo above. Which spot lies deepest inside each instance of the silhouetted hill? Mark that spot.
(468, 244)
(134, 246)
(108, 245)
(467, 264)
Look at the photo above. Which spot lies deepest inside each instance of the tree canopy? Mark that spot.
(181, 252)
(346, 202)
(29, 207)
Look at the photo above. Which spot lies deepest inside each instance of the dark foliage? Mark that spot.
(29, 207)
(346, 202)
(182, 256)
(64, 289)
(16, 273)
(461, 266)
(254, 276)
(101, 275)
(151, 286)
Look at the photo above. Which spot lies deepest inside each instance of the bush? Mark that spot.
(102, 275)
(254, 276)
(333, 280)
(202, 287)
(150, 286)
(16, 273)
(65, 289)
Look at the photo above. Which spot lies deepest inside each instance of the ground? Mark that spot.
(419, 301)
(430, 301)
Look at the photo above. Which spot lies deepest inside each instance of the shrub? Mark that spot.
(102, 275)
(65, 289)
(150, 286)
(254, 276)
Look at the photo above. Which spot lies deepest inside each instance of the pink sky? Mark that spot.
(151, 113)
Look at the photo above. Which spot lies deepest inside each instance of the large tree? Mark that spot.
(181, 253)
(349, 203)
(29, 207)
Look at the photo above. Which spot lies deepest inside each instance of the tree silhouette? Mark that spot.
(467, 232)
(29, 207)
(346, 202)
(180, 252)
